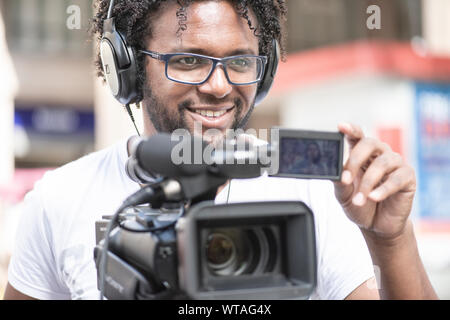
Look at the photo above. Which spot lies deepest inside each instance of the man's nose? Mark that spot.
(217, 84)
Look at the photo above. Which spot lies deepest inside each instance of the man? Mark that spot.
(53, 257)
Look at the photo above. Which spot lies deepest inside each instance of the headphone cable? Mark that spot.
(228, 192)
(130, 113)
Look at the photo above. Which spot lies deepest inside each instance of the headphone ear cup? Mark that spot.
(109, 65)
(119, 65)
(128, 79)
(269, 73)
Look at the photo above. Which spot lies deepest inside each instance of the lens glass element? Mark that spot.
(220, 249)
(239, 251)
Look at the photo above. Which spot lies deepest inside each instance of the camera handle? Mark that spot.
(201, 188)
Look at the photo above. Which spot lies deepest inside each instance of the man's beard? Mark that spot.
(166, 121)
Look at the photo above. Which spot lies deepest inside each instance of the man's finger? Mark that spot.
(361, 156)
(353, 133)
(378, 170)
(401, 179)
(343, 192)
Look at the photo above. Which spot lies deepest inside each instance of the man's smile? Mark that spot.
(213, 117)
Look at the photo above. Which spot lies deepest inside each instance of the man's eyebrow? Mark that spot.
(204, 52)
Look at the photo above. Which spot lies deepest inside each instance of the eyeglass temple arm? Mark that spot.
(152, 54)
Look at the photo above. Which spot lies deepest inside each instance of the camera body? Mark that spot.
(181, 244)
(256, 250)
(140, 262)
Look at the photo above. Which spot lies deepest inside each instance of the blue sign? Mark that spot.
(432, 110)
(54, 121)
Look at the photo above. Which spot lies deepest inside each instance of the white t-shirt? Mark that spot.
(53, 255)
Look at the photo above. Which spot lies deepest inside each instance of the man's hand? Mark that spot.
(377, 192)
(377, 186)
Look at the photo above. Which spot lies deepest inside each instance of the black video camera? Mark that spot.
(171, 241)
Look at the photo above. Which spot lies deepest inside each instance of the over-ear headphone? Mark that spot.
(269, 73)
(120, 68)
(119, 62)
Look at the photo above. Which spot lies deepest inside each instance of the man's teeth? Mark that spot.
(210, 113)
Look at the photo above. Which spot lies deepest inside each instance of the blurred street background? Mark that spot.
(382, 64)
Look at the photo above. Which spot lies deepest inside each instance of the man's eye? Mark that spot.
(241, 63)
(188, 61)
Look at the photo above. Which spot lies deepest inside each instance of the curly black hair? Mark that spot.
(133, 20)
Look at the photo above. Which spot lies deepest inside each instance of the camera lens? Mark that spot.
(239, 251)
(220, 250)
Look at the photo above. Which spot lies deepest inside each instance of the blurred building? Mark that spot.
(394, 81)
(50, 47)
(55, 114)
(8, 88)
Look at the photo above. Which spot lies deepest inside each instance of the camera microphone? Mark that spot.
(169, 156)
(153, 157)
(132, 167)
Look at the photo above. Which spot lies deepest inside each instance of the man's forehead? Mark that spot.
(202, 22)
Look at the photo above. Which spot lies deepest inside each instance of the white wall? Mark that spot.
(436, 26)
(366, 100)
(66, 81)
(111, 120)
(8, 88)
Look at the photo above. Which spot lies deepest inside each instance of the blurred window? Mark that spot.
(316, 23)
(48, 26)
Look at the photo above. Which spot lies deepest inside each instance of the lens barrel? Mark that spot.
(254, 250)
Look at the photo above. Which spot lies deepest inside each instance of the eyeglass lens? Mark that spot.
(195, 69)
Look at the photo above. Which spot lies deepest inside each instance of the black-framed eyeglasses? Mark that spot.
(191, 68)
